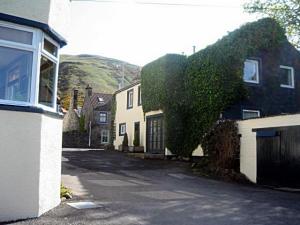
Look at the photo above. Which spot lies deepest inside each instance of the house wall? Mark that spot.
(268, 96)
(71, 121)
(248, 156)
(129, 116)
(30, 164)
(55, 13)
(98, 126)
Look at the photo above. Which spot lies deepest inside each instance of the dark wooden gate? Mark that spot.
(155, 135)
(278, 156)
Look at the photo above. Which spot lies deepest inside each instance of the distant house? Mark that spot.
(129, 117)
(97, 115)
(71, 118)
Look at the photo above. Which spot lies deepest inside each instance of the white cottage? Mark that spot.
(31, 34)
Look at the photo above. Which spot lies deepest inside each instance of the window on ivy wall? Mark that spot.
(250, 114)
(287, 77)
(251, 74)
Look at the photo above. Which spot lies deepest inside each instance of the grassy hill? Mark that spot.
(103, 74)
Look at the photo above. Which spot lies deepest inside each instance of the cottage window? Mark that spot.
(122, 129)
(130, 99)
(250, 114)
(22, 83)
(103, 117)
(251, 74)
(104, 136)
(286, 77)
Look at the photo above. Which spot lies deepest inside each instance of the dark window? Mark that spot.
(250, 114)
(122, 129)
(130, 99)
(286, 76)
(139, 96)
(47, 82)
(103, 117)
(50, 48)
(137, 131)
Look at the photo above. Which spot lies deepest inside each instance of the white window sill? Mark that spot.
(287, 86)
(251, 82)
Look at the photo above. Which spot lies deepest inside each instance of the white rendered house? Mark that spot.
(31, 34)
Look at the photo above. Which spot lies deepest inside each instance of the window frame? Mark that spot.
(55, 60)
(106, 117)
(36, 48)
(23, 47)
(128, 97)
(102, 142)
(252, 111)
(120, 125)
(256, 62)
(292, 74)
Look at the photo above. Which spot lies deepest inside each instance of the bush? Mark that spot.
(82, 123)
(136, 141)
(222, 145)
(125, 142)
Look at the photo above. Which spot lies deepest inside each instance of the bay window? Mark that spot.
(28, 67)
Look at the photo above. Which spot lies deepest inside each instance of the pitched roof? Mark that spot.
(100, 99)
(129, 86)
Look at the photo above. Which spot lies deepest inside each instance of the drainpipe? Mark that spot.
(90, 132)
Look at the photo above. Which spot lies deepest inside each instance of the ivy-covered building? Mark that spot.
(251, 72)
(272, 81)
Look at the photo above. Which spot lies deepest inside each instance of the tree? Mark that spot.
(286, 12)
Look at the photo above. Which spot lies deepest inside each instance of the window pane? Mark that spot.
(15, 74)
(47, 79)
(286, 76)
(250, 71)
(49, 47)
(20, 36)
(250, 114)
(103, 117)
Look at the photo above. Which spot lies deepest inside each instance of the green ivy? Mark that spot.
(214, 75)
(193, 92)
(162, 85)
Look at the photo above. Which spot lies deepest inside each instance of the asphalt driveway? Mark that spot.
(129, 191)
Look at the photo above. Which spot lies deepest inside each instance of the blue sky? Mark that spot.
(139, 33)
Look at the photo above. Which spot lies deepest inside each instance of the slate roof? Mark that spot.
(96, 99)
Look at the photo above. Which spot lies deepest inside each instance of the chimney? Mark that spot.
(194, 49)
(75, 99)
(88, 91)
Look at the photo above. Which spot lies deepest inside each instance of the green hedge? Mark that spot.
(193, 92)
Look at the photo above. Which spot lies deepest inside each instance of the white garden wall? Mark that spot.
(248, 157)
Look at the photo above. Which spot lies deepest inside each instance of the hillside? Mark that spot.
(103, 74)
